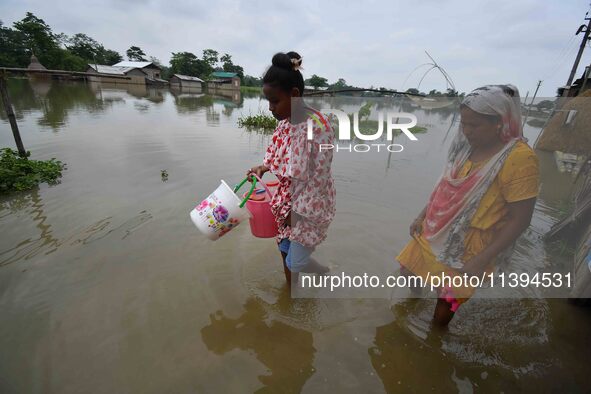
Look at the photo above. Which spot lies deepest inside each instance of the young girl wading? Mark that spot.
(304, 202)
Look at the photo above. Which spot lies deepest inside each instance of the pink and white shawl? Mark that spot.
(454, 200)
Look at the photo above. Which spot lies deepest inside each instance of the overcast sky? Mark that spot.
(367, 43)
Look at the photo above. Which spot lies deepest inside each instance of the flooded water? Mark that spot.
(106, 286)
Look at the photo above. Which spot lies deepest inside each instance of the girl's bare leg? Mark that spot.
(290, 277)
(313, 267)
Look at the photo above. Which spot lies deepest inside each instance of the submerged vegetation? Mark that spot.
(251, 89)
(268, 123)
(19, 173)
(259, 121)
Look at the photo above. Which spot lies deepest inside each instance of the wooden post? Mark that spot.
(11, 117)
(587, 31)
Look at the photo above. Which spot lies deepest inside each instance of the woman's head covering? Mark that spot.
(502, 101)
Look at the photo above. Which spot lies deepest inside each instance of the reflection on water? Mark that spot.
(43, 241)
(287, 352)
(106, 286)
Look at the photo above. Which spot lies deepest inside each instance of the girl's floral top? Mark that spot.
(306, 187)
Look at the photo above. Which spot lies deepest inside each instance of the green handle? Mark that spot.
(254, 182)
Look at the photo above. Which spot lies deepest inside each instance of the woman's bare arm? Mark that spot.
(518, 219)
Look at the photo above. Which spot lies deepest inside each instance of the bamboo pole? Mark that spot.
(11, 117)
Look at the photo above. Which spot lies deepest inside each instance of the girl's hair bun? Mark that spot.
(285, 72)
(287, 61)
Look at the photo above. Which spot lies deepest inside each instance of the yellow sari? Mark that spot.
(517, 180)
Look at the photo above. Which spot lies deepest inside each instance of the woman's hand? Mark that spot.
(475, 266)
(416, 228)
(258, 170)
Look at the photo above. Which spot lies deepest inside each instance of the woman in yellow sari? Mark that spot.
(483, 201)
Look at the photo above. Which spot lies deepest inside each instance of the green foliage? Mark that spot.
(91, 51)
(260, 121)
(136, 54)
(33, 35)
(338, 85)
(13, 45)
(38, 36)
(316, 81)
(111, 57)
(365, 111)
(251, 89)
(252, 81)
(186, 63)
(228, 66)
(19, 173)
(64, 60)
(210, 57)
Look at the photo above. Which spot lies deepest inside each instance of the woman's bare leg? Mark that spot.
(443, 313)
(286, 270)
(415, 289)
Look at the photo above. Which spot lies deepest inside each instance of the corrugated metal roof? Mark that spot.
(128, 63)
(224, 74)
(102, 69)
(187, 78)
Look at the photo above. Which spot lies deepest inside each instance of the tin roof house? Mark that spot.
(185, 82)
(224, 80)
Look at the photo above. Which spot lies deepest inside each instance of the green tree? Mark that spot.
(229, 66)
(412, 91)
(136, 54)
(90, 50)
(186, 63)
(339, 84)
(317, 82)
(451, 92)
(13, 48)
(210, 57)
(111, 57)
(39, 38)
(252, 81)
(85, 47)
(38, 35)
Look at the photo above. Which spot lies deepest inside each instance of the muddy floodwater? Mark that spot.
(107, 287)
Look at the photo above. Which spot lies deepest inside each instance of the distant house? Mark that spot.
(185, 81)
(113, 74)
(224, 80)
(151, 69)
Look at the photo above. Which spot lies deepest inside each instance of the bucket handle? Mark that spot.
(264, 185)
(238, 186)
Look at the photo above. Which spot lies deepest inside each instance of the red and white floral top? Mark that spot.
(305, 186)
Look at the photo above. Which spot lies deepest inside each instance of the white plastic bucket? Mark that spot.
(220, 212)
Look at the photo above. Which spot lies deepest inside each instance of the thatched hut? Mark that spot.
(569, 128)
(35, 64)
